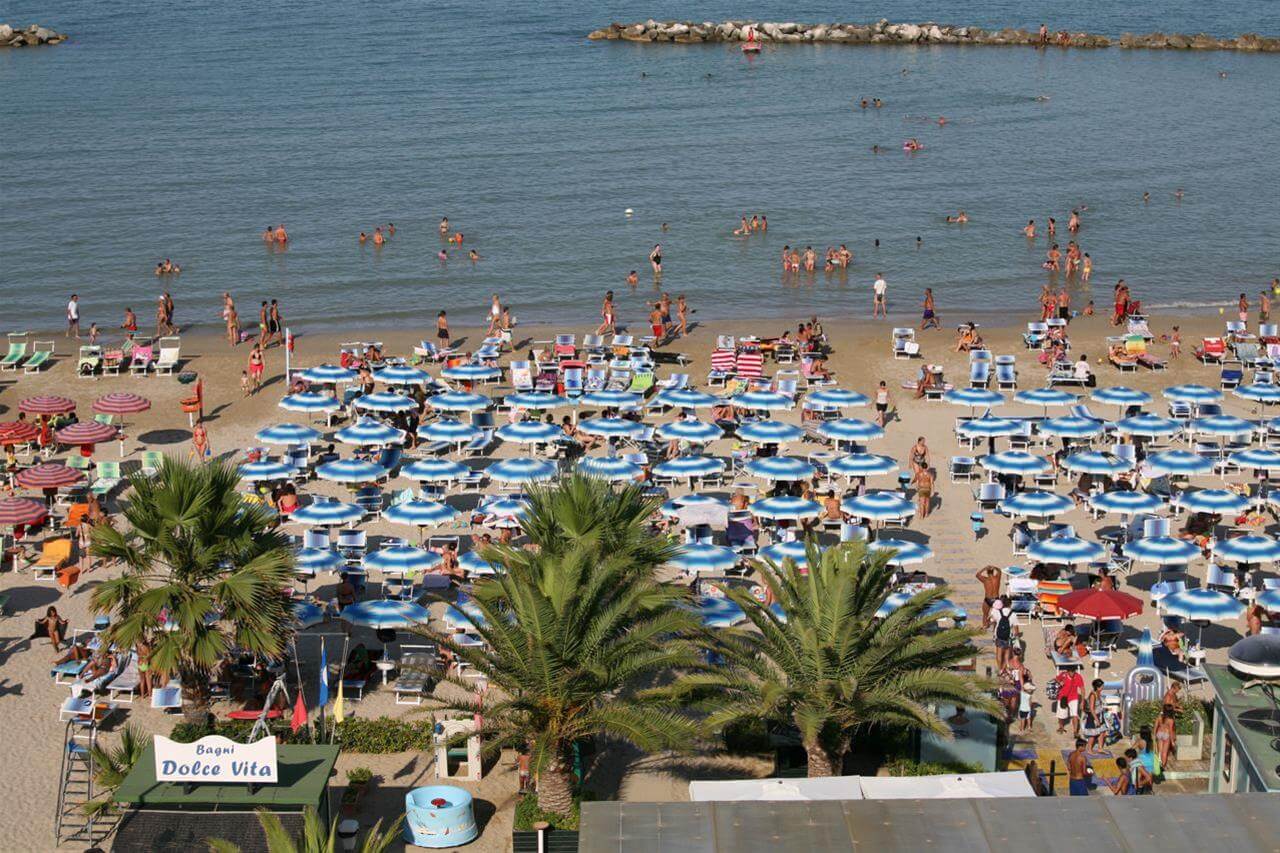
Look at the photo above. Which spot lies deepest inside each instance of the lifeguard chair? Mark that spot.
(454, 760)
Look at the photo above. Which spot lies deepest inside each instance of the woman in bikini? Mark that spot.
(256, 367)
(655, 259)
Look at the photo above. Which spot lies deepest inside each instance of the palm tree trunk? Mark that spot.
(196, 700)
(555, 788)
(820, 761)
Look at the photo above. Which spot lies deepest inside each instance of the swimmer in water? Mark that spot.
(1146, 198)
(1030, 230)
(473, 255)
(942, 120)
(1042, 98)
(444, 226)
(877, 102)
(959, 219)
(863, 103)
(875, 149)
(363, 237)
(1178, 193)
(443, 256)
(378, 239)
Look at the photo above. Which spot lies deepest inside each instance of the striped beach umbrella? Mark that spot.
(529, 432)
(266, 470)
(1178, 463)
(1256, 458)
(673, 506)
(1195, 394)
(989, 427)
(1162, 550)
(937, 610)
(309, 561)
(698, 432)
(779, 468)
(459, 401)
(505, 507)
(878, 506)
(973, 397)
(351, 471)
(418, 513)
(473, 564)
(836, 398)
(1250, 548)
(1065, 550)
(688, 467)
(121, 403)
(402, 374)
(327, 514)
(368, 432)
(522, 470)
(1266, 394)
(762, 400)
(622, 400)
(18, 432)
(48, 475)
(850, 429)
(309, 401)
(448, 430)
(1070, 427)
(384, 401)
(769, 432)
(434, 470)
(1046, 397)
(1036, 505)
(612, 469)
(401, 559)
(328, 374)
(307, 614)
(1202, 605)
(718, 612)
(794, 551)
(21, 511)
(385, 614)
(612, 427)
(862, 465)
(906, 553)
(47, 404)
(1014, 462)
(1269, 599)
(1147, 425)
(86, 432)
(536, 400)
(785, 508)
(288, 434)
(471, 372)
(1125, 502)
(1214, 501)
(1120, 395)
(686, 398)
(464, 614)
(1223, 425)
(1094, 462)
(699, 557)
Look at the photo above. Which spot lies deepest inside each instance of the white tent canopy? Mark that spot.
(1012, 783)
(755, 790)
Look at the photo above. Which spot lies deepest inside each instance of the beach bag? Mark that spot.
(1052, 689)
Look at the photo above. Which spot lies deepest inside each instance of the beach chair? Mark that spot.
(1150, 362)
(750, 364)
(641, 382)
(1211, 350)
(17, 351)
(369, 499)
(979, 374)
(318, 539)
(784, 353)
(724, 364)
(89, 361)
(112, 359)
(167, 698)
(390, 458)
(1006, 376)
(1034, 337)
(565, 347)
(1230, 375)
(1248, 353)
(54, 555)
(41, 352)
(428, 351)
(963, 469)
(108, 478)
(140, 360)
(151, 462)
(125, 685)
(352, 544)
(481, 444)
(904, 343)
(521, 376)
(989, 495)
(593, 344)
(619, 379)
(572, 382)
(170, 352)
(418, 665)
(596, 379)
(675, 382)
(1048, 593)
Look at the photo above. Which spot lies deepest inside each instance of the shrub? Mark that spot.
(355, 734)
(910, 767)
(236, 730)
(1145, 714)
(747, 737)
(528, 813)
(359, 776)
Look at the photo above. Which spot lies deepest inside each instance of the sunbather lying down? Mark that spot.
(1119, 355)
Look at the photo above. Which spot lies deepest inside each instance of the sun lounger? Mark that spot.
(67, 673)
(724, 364)
(125, 685)
(108, 478)
(1006, 376)
(168, 698)
(1211, 349)
(642, 382)
(54, 554)
(979, 374)
(170, 352)
(112, 359)
(41, 352)
(17, 351)
(140, 360)
(565, 347)
(572, 382)
(1150, 362)
(904, 344)
(1230, 375)
(89, 361)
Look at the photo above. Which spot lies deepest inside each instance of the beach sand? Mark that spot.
(861, 357)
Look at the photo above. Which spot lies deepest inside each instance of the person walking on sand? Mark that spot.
(257, 364)
(930, 318)
(73, 317)
(606, 315)
(262, 324)
(442, 330)
(883, 401)
(924, 492)
(682, 315)
(200, 447)
(495, 315)
(1264, 307)
(1243, 307)
(879, 298)
(232, 320)
(275, 323)
(655, 259)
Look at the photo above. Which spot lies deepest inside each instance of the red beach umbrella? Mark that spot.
(1100, 604)
(47, 404)
(48, 475)
(17, 432)
(85, 432)
(21, 511)
(121, 403)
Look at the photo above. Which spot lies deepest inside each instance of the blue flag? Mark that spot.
(323, 698)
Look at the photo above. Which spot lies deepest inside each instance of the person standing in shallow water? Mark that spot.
(655, 259)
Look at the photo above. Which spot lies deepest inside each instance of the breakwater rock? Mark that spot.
(30, 37)
(883, 32)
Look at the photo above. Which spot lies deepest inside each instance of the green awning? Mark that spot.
(304, 771)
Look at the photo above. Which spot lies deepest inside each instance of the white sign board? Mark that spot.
(217, 760)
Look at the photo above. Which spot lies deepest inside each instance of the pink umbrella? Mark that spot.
(86, 432)
(49, 475)
(47, 404)
(121, 403)
(21, 511)
(17, 432)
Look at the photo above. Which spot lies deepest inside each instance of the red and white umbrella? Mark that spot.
(48, 475)
(21, 511)
(17, 432)
(121, 403)
(86, 432)
(47, 404)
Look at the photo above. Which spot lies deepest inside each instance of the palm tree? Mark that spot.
(316, 837)
(112, 766)
(572, 629)
(830, 667)
(203, 572)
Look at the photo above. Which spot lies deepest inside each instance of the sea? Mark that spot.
(182, 130)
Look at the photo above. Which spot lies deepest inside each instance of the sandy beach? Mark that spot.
(861, 357)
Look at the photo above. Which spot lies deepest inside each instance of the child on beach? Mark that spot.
(244, 382)
(1024, 701)
(1175, 343)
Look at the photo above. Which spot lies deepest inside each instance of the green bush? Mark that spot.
(528, 813)
(355, 734)
(1145, 714)
(236, 730)
(747, 737)
(359, 776)
(909, 767)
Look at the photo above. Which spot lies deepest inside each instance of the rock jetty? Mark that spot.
(30, 37)
(883, 32)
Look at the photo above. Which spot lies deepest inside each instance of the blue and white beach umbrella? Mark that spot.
(1162, 550)
(261, 472)
(1178, 463)
(366, 432)
(1014, 462)
(973, 397)
(351, 471)
(385, 614)
(538, 400)
(309, 401)
(328, 374)
(688, 467)
(687, 398)
(1202, 605)
(699, 557)
(473, 564)
(613, 469)
(448, 430)
(989, 427)
(1266, 394)
(786, 508)
(522, 470)
(794, 550)
(1192, 394)
(836, 398)
(1065, 550)
(402, 374)
(307, 614)
(622, 400)
(308, 561)
(1036, 504)
(327, 514)
(862, 465)
(1269, 599)
(769, 432)
(504, 507)
(1148, 425)
(878, 506)
(384, 401)
(1215, 501)
(1125, 502)
(1256, 458)
(1119, 395)
(783, 468)
(1070, 427)
(459, 401)
(401, 559)
(1250, 548)
(288, 434)
(418, 513)
(673, 506)
(529, 432)
(762, 400)
(850, 429)
(906, 553)
(699, 432)
(611, 427)
(719, 612)
(1094, 462)
(1046, 397)
(1223, 425)
(435, 470)
(938, 609)
(471, 372)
